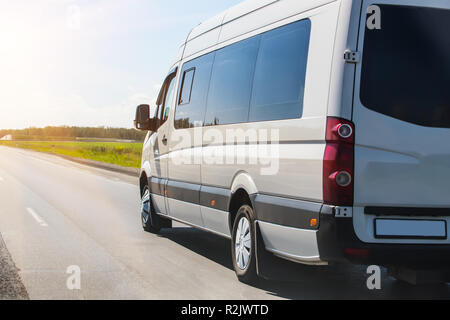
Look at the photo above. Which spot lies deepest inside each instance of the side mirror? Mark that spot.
(143, 120)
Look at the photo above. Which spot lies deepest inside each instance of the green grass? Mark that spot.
(123, 154)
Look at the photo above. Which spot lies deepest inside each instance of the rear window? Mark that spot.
(406, 65)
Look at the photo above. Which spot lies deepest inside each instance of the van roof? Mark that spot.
(237, 12)
(228, 15)
(242, 9)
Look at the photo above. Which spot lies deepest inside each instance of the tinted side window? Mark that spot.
(165, 97)
(186, 86)
(231, 83)
(406, 65)
(279, 82)
(168, 100)
(192, 111)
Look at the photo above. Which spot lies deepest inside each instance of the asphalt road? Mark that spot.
(55, 214)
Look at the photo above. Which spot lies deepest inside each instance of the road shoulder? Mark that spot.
(11, 287)
(133, 172)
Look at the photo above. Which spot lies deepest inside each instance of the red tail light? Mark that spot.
(357, 253)
(338, 163)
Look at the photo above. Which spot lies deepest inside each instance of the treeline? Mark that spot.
(78, 132)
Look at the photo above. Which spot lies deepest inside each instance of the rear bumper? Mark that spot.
(285, 231)
(337, 242)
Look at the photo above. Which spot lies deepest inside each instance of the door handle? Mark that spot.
(164, 140)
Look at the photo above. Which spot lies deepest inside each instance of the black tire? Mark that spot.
(150, 220)
(245, 268)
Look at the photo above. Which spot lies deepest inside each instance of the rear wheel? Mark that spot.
(243, 246)
(150, 220)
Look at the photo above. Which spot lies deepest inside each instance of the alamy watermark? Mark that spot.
(374, 18)
(73, 281)
(212, 146)
(374, 280)
(73, 17)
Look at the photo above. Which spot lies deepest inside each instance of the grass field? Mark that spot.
(123, 154)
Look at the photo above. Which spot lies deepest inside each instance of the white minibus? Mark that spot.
(317, 131)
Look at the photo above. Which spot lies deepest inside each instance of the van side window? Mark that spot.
(279, 81)
(405, 72)
(231, 83)
(258, 79)
(159, 106)
(165, 98)
(169, 99)
(193, 91)
(186, 86)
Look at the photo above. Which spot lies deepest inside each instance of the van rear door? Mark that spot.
(401, 110)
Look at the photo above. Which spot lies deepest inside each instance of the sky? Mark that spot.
(89, 62)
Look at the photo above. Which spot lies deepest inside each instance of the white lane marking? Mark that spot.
(36, 217)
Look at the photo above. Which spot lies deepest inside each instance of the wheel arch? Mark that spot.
(144, 176)
(242, 189)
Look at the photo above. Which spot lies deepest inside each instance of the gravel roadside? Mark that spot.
(11, 287)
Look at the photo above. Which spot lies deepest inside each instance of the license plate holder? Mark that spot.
(410, 229)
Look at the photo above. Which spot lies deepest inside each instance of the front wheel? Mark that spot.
(150, 221)
(243, 246)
